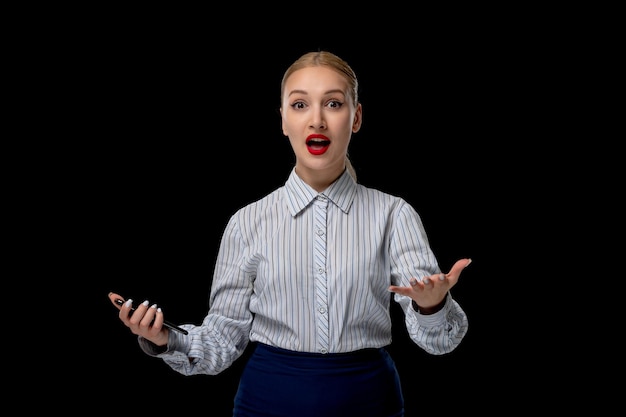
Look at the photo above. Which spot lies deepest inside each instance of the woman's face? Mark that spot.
(319, 118)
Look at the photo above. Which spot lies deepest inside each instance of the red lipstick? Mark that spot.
(317, 144)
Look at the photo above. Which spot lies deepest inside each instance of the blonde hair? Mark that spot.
(327, 59)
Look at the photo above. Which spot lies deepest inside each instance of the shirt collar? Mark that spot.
(300, 194)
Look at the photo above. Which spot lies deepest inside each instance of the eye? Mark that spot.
(298, 105)
(334, 104)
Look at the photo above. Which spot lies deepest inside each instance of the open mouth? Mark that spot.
(317, 146)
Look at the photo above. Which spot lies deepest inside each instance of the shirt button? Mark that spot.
(322, 310)
(323, 351)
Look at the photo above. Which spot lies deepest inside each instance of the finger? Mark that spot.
(116, 299)
(141, 310)
(126, 309)
(458, 267)
(158, 321)
(407, 291)
(149, 318)
(431, 280)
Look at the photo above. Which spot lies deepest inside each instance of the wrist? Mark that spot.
(428, 310)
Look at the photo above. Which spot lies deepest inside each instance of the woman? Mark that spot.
(306, 272)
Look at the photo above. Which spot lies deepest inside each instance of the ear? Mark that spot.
(282, 123)
(358, 118)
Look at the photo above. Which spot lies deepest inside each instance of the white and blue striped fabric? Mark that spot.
(309, 272)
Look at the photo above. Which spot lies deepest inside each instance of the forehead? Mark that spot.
(316, 80)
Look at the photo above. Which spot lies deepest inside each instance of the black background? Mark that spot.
(174, 130)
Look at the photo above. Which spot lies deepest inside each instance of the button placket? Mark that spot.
(321, 296)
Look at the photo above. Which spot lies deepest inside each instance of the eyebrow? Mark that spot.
(337, 90)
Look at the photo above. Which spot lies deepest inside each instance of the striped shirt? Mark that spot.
(284, 278)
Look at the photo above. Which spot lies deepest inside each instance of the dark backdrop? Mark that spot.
(177, 134)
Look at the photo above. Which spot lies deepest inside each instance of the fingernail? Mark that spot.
(442, 277)
(470, 261)
(153, 306)
(129, 302)
(159, 309)
(413, 282)
(426, 281)
(145, 303)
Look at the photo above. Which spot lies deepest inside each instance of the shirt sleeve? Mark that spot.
(224, 333)
(411, 256)
(437, 333)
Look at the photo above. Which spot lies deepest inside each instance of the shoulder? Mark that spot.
(372, 194)
(383, 203)
(262, 205)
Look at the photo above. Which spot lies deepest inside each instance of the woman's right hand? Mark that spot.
(146, 320)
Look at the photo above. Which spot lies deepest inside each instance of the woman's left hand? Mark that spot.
(430, 291)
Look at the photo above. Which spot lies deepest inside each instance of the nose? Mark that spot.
(317, 118)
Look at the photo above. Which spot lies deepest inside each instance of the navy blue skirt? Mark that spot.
(281, 383)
